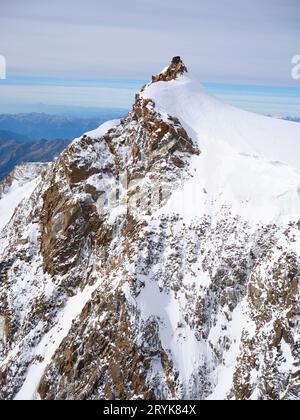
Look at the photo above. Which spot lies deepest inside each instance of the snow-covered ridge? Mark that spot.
(248, 161)
(99, 131)
(213, 123)
(102, 129)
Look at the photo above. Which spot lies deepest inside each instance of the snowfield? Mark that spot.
(248, 161)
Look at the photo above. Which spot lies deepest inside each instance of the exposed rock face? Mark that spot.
(143, 148)
(103, 295)
(175, 69)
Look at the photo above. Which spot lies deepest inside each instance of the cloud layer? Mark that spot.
(225, 41)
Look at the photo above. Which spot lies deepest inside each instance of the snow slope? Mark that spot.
(11, 200)
(24, 180)
(248, 161)
(215, 123)
(102, 129)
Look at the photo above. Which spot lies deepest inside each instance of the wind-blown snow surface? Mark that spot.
(102, 129)
(247, 161)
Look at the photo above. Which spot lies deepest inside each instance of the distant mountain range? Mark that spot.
(295, 119)
(9, 135)
(36, 126)
(73, 111)
(13, 152)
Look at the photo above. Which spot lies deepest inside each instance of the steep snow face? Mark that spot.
(17, 186)
(12, 198)
(248, 161)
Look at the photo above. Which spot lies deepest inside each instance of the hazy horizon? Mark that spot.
(268, 100)
(97, 54)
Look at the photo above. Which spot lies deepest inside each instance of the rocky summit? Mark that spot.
(157, 257)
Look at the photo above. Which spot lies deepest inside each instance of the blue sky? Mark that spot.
(97, 53)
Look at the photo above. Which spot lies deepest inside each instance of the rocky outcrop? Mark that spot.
(175, 69)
